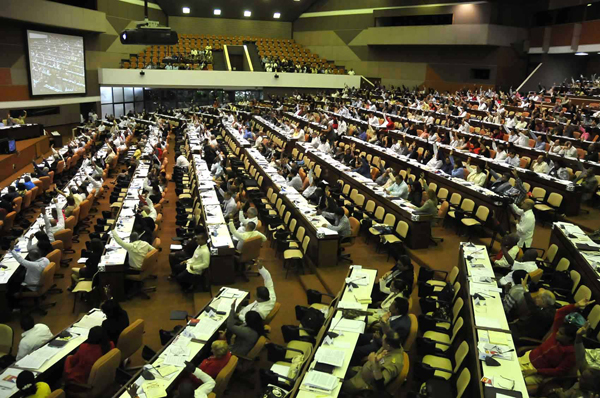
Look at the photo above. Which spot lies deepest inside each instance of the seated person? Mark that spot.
(218, 360)
(527, 263)
(28, 388)
(403, 270)
(381, 367)
(588, 384)
(136, 249)
(78, 366)
(116, 320)
(185, 271)
(514, 297)
(43, 243)
(33, 268)
(508, 241)
(188, 390)
(538, 318)
(29, 185)
(397, 288)
(11, 195)
(33, 337)
(250, 232)
(246, 335)
(265, 297)
(556, 355)
(396, 319)
(91, 264)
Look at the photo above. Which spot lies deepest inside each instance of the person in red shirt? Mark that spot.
(213, 364)
(79, 366)
(218, 360)
(556, 355)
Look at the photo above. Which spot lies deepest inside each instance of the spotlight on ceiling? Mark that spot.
(581, 53)
(186, 10)
(277, 15)
(216, 11)
(247, 13)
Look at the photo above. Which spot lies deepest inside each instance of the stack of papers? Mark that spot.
(205, 329)
(330, 356)
(176, 356)
(37, 358)
(348, 325)
(320, 380)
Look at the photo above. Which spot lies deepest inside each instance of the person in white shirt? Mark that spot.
(526, 223)
(249, 232)
(265, 297)
(315, 141)
(251, 216)
(435, 162)
(187, 389)
(56, 224)
(33, 337)
(510, 242)
(324, 145)
(555, 147)
(373, 120)
(540, 165)
(229, 205)
(399, 189)
(148, 210)
(511, 123)
(522, 140)
(342, 128)
(521, 124)
(295, 181)
(512, 159)
(182, 162)
(501, 153)
(568, 150)
(526, 264)
(35, 265)
(136, 249)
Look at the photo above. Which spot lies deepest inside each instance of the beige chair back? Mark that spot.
(103, 373)
(251, 249)
(131, 339)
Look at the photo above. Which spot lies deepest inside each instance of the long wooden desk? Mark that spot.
(346, 341)
(485, 324)
(322, 249)
(188, 344)
(479, 195)
(52, 367)
(419, 232)
(566, 236)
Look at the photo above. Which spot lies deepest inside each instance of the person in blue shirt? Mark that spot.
(28, 183)
(248, 134)
(363, 135)
(363, 168)
(458, 171)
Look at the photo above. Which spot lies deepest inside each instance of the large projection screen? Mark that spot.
(56, 63)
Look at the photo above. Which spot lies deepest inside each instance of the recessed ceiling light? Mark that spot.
(186, 10)
(216, 11)
(581, 53)
(589, 4)
(247, 13)
(277, 15)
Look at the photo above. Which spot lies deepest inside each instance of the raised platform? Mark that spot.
(27, 150)
(221, 79)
